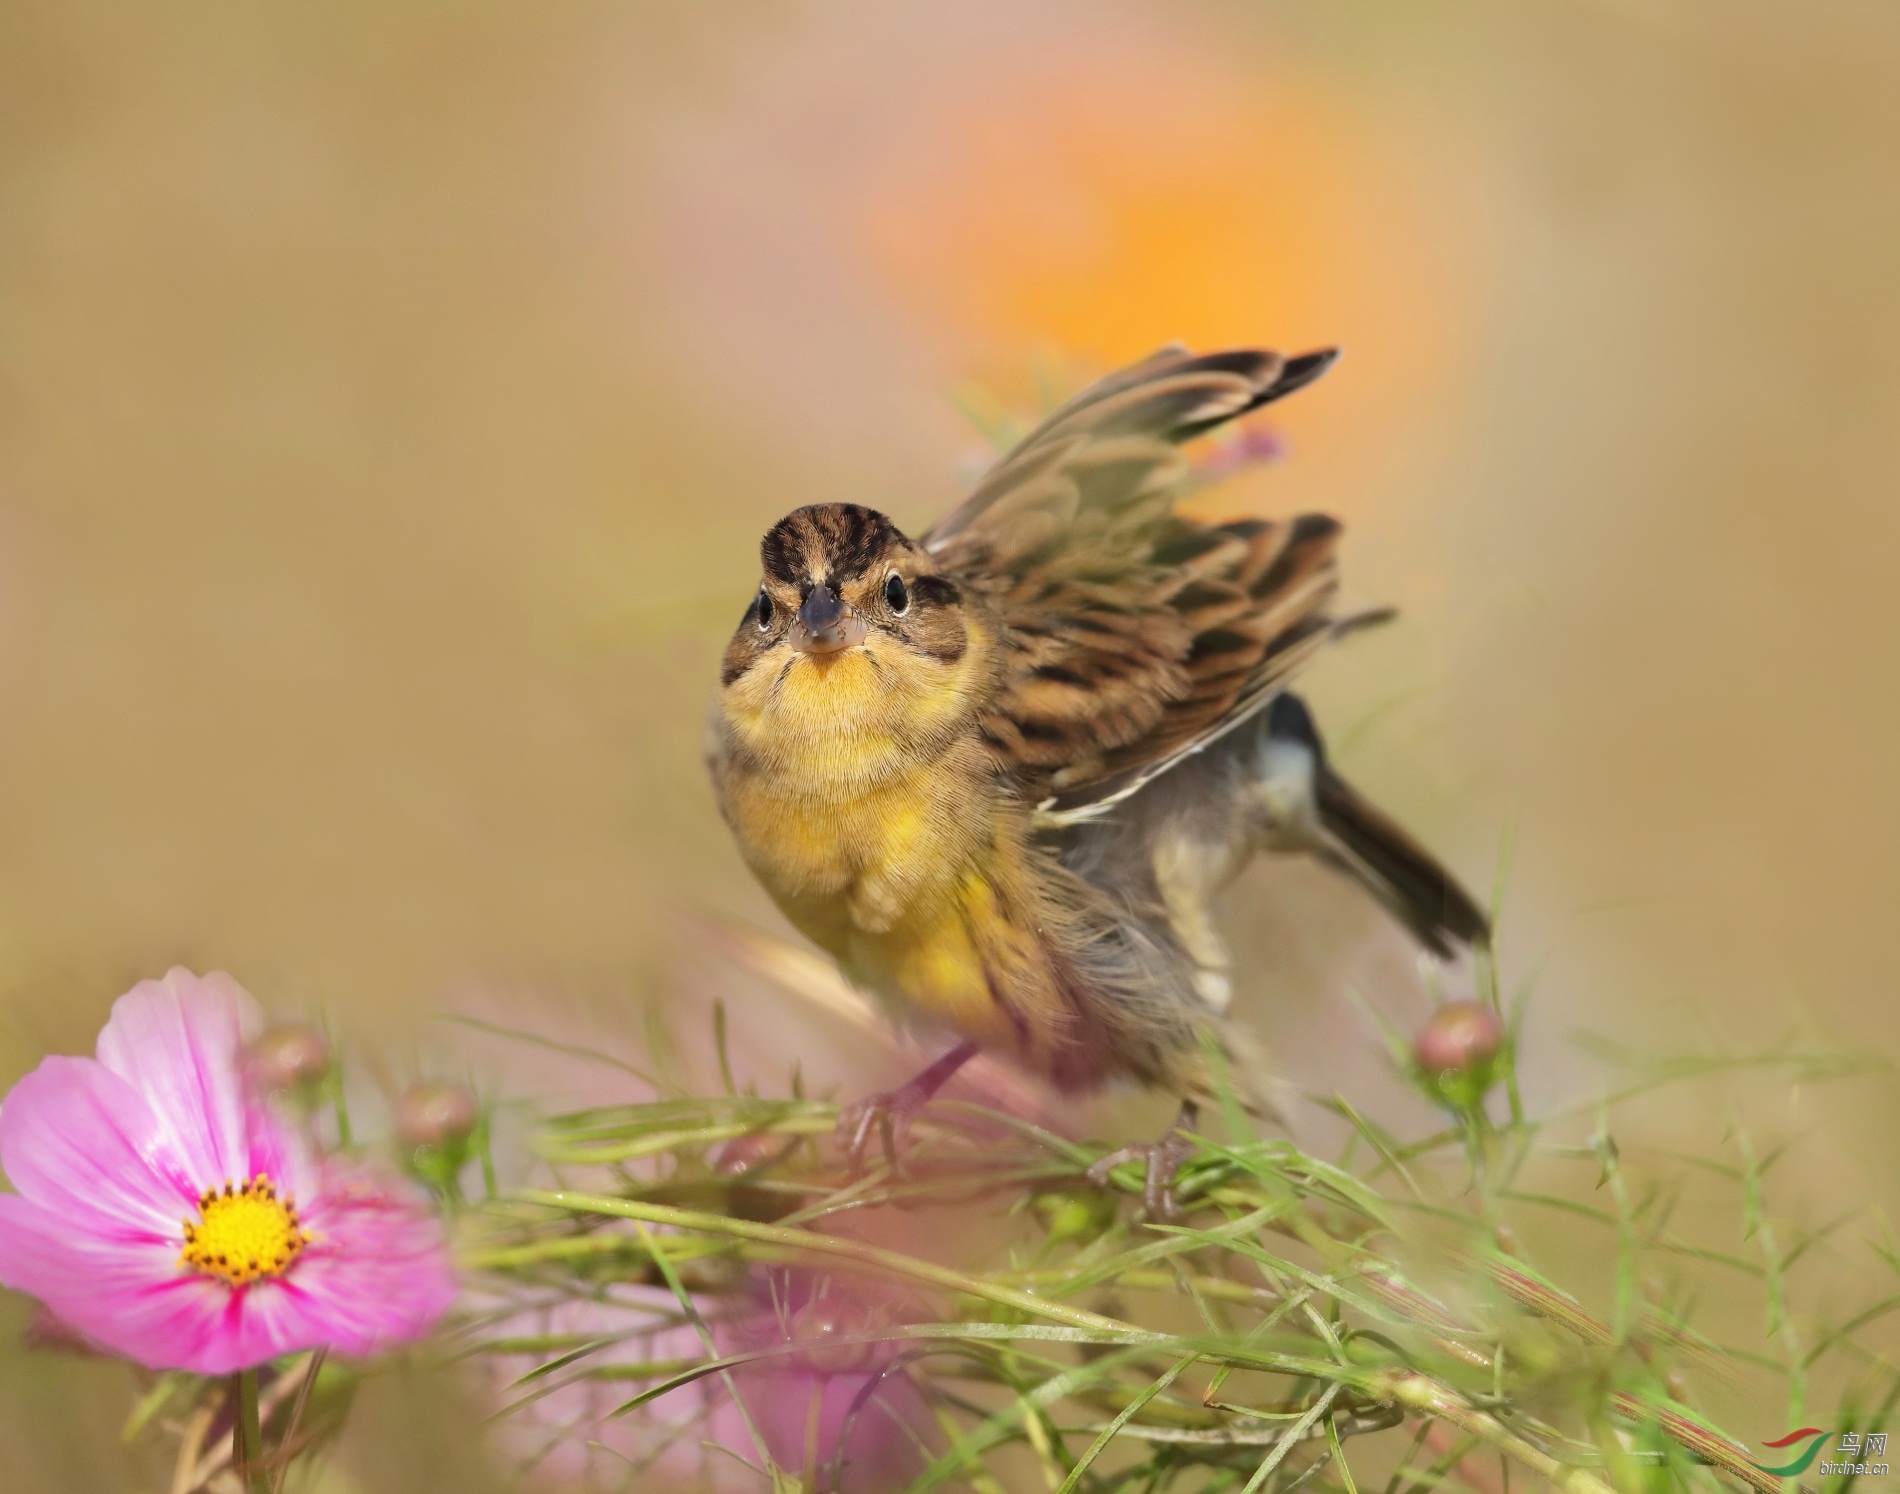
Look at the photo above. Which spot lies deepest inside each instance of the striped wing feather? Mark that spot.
(1132, 635)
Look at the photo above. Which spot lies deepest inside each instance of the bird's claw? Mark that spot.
(1163, 1159)
(893, 1110)
(887, 1114)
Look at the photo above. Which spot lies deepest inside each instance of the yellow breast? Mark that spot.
(862, 798)
(855, 778)
(895, 882)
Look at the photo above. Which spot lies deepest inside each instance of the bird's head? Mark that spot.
(853, 634)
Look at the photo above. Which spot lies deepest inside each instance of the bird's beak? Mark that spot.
(825, 625)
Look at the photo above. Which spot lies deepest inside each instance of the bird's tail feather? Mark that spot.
(1370, 847)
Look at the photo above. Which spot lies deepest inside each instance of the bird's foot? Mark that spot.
(1163, 1159)
(889, 1113)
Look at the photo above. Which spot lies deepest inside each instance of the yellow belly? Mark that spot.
(905, 885)
(954, 964)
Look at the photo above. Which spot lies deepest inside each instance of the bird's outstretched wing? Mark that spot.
(1133, 636)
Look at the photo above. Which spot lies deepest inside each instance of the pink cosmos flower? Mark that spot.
(169, 1216)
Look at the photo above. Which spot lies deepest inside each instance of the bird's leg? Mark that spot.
(1182, 870)
(893, 1110)
(1164, 1159)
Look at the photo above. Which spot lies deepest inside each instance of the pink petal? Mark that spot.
(180, 1042)
(79, 1140)
(280, 1154)
(130, 1298)
(111, 1155)
(378, 1272)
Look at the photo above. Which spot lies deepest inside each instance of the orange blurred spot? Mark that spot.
(1097, 211)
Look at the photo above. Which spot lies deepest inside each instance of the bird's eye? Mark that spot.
(762, 611)
(896, 596)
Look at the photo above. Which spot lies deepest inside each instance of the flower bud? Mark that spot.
(819, 1324)
(433, 1112)
(743, 1153)
(290, 1056)
(1460, 1038)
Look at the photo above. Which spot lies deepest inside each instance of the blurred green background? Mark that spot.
(391, 397)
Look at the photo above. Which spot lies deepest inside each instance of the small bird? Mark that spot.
(1002, 771)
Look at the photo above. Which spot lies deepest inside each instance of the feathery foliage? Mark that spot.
(1370, 1322)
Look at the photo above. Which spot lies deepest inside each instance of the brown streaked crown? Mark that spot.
(832, 542)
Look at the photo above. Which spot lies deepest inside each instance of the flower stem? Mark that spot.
(826, 1245)
(247, 1436)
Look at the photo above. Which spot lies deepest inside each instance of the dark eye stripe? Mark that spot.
(939, 591)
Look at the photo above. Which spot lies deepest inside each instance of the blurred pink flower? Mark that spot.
(868, 1423)
(1250, 446)
(169, 1216)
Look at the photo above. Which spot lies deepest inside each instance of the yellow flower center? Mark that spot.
(244, 1233)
